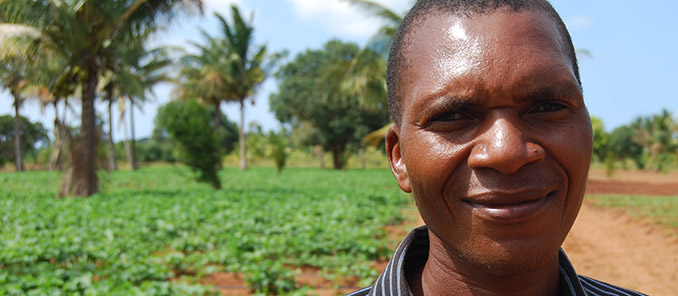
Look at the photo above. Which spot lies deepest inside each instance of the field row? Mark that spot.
(155, 232)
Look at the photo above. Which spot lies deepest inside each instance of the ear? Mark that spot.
(395, 158)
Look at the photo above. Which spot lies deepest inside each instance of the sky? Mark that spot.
(632, 69)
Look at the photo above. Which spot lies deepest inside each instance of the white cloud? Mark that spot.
(578, 22)
(341, 18)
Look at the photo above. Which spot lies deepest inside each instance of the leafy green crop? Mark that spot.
(155, 232)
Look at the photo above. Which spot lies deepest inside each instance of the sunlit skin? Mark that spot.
(494, 144)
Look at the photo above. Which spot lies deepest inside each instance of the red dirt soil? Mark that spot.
(605, 244)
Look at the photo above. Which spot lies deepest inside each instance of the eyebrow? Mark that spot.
(445, 102)
(546, 93)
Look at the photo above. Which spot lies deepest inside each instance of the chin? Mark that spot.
(514, 257)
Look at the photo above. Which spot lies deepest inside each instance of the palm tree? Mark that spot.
(657, 134)
(13, 77)
(140, 72)
(82, 31)
(205, 76)
(229, 68)
(365, 75)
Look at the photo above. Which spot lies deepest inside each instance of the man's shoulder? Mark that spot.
(595, 287)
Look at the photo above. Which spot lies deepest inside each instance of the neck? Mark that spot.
(446, 273)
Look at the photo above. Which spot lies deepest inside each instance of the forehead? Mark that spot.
(445, 50)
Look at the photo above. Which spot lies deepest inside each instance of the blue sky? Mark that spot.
(632, 71)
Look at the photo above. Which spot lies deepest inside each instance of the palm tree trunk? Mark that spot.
(82, 178)
(216, 118)
(128, 150)
(55, 157)
(18, 154)
(321, 154)
(133, 159)
(243, 144)
(111, 146)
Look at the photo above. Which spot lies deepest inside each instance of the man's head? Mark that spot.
(492, 138)
(397, 62)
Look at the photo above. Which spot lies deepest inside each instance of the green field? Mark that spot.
(156, 232)
(661, 209)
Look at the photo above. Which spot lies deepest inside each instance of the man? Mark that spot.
(494, 142)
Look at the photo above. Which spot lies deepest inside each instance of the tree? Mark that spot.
(600, 138)
(306, 95)
(81, 32)
(188, 124)
(279, 146)
(659, 137)
(14, 73)
(365, 75)
(140, 71)
(229, 68)
(30, 133)
(622, 146)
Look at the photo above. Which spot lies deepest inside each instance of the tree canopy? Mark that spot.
(306, 94)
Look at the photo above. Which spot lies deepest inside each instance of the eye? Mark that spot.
(449, 116)
(550, 107)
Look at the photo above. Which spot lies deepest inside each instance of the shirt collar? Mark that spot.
(413, 252)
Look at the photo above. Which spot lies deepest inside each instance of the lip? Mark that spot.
(509, 208)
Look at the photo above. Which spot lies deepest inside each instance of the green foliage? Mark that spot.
(31, 134)
(155, 149)
(152, 232)
(600, 139)
(188, 124)
(662, 209)
(658, 135)
(622, 145)
(306, 94)
(279, 148)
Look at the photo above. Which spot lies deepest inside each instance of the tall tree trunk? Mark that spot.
(216, 121)
(338, 156)
(111, 146)
(128, 150)
(133, 144)
(82, 177)
(55, 162)
(321, 155)
(18, 154)
(216, 116)
(243, 144)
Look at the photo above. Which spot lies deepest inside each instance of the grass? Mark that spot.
(157, 232)
(661, 209)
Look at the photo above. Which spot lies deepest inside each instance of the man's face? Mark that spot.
(495, 140)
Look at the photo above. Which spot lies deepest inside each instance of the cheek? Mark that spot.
(573, 149)
(430, 160)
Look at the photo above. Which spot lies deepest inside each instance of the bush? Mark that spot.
(279, 147)
(188, 124)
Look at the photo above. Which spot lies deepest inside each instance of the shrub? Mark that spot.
(188, 124)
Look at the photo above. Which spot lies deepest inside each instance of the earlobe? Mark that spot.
(395, 158)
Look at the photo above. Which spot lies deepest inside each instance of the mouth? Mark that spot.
(508, 209)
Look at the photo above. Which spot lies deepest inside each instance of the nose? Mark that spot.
(504, 147)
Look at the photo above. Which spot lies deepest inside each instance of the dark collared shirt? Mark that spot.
(413, 252)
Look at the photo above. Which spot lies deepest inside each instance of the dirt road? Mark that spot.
(612, 247)
(608, 245)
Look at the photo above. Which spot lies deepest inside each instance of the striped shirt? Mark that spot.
(413, 252)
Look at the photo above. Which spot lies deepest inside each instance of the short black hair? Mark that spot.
(466, 8)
